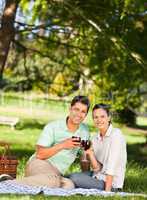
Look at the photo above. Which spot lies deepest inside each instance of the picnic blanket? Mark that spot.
(10, 187)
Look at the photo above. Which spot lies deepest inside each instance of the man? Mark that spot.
(56, 150)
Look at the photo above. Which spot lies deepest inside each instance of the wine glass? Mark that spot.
(85, 163)
(85, 144)
(76, 139)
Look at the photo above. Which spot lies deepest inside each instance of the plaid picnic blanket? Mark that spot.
(10, 187)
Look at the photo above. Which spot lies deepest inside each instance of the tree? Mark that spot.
(7, 31)
(90, 42)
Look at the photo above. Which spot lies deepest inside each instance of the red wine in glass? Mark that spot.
(76, 138)
(85, 144)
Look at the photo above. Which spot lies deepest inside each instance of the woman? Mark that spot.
(107, 155)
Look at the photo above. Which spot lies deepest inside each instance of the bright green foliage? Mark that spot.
(97, 46)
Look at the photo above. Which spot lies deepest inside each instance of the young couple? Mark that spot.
(56, 150)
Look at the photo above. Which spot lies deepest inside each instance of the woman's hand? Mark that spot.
(95, 164)
(108, 183)
(89, 152)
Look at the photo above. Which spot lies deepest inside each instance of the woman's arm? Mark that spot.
(96, 166)
(108, 183)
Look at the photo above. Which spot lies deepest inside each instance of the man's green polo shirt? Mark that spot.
(54, 133)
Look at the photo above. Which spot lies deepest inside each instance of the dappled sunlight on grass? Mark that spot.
(142, 121)
(33, 124)
(20, 137)
(135, 153)
(135, 178)
(132, 139)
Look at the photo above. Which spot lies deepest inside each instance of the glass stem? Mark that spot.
(84, 155)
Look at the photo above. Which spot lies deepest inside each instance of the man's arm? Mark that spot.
(47, 152)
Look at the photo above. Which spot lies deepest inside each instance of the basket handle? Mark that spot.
(6, 151)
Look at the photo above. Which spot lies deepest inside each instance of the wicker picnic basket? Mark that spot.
(8, 163)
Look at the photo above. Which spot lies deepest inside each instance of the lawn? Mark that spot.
(34, 115)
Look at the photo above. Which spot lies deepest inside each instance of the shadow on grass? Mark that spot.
(141, 131)
(136, 183)
(141, 128)
(21, 153)
(33, 124)
(137, 153)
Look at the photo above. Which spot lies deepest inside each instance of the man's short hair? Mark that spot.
(82, 99)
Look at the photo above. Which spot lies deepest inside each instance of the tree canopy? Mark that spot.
(96, 47)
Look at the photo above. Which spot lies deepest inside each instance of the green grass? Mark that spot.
(75, 197)
(33, 119)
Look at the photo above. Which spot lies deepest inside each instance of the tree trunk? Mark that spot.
(7, 31)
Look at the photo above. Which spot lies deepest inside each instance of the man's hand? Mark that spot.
(70, 143)
(46, 152)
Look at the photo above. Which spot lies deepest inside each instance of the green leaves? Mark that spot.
(92, 46)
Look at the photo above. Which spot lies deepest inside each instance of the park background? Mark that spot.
(52, 50)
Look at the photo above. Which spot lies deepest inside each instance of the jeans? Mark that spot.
(85, 180)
